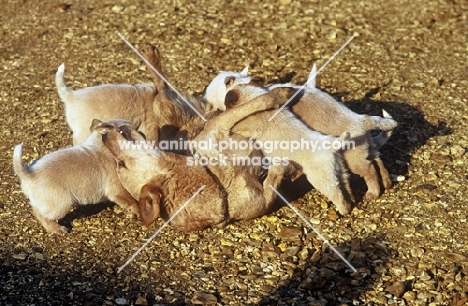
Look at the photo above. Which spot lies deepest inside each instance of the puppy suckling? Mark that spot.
(323, 165)
(79, 175)
(164, 181)
(321, 112)
(106, 102)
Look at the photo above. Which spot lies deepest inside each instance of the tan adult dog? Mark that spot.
(321, 112)
(164, 181)
(80, 175)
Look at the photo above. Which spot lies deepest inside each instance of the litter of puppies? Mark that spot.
(109, 161)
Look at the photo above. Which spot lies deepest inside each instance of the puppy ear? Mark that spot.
(228, 81)
(245, 71)
(149, 203)
(95, 124)
(231, 99)
(256, 81)
(283, 94)
(102, 127)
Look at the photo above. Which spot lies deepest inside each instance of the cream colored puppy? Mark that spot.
(80, 175)
(318, 155)
(106, 102)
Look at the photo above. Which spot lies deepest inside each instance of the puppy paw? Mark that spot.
(372, 195)
(387, 182)
(58, 230)
(151, 53)
(344, 208)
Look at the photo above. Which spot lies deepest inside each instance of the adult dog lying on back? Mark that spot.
(163, 182)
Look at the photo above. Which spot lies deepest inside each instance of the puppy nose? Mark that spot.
(203, 100)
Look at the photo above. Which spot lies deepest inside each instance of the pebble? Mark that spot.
(202, 298)
(141, 300)
(397, 178)
(291, 233)
(120, 301)
(292, 251)
(397, 289)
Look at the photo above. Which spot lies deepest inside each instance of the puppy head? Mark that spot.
(220, 85)
(149, 203)
(136, 158)
(241, 94)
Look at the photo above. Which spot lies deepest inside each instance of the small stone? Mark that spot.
(303, 254)
(397, 178)
(141, 300)
(120, 301)
(20, 256)
(117, 8)
(291, 233)
(425, 295)
(202, 298)
(412, 138)
(397, 289)
(292, 251)
(270, 250)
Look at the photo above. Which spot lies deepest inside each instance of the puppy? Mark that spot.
(216, 90)
(80, 175)
(322, 165)
(323, 113)
(164, 181)
(106, 102)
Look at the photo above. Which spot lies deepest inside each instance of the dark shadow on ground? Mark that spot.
(324, 276)
(318, 275)
(84, 211)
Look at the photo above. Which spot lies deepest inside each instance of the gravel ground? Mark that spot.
(409, 247)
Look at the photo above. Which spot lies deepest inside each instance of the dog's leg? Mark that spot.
(51, 226)
(385, 176)
(324, 178)
(225, 121)
(151, 54)
(275, 176)
(359, 164)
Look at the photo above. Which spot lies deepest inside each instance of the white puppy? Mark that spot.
(83, 174)
(319, 156)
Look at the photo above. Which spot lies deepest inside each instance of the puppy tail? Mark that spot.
(387, 123)
(379, 140)
(20, 169)
(65, 93)
(312, 77)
